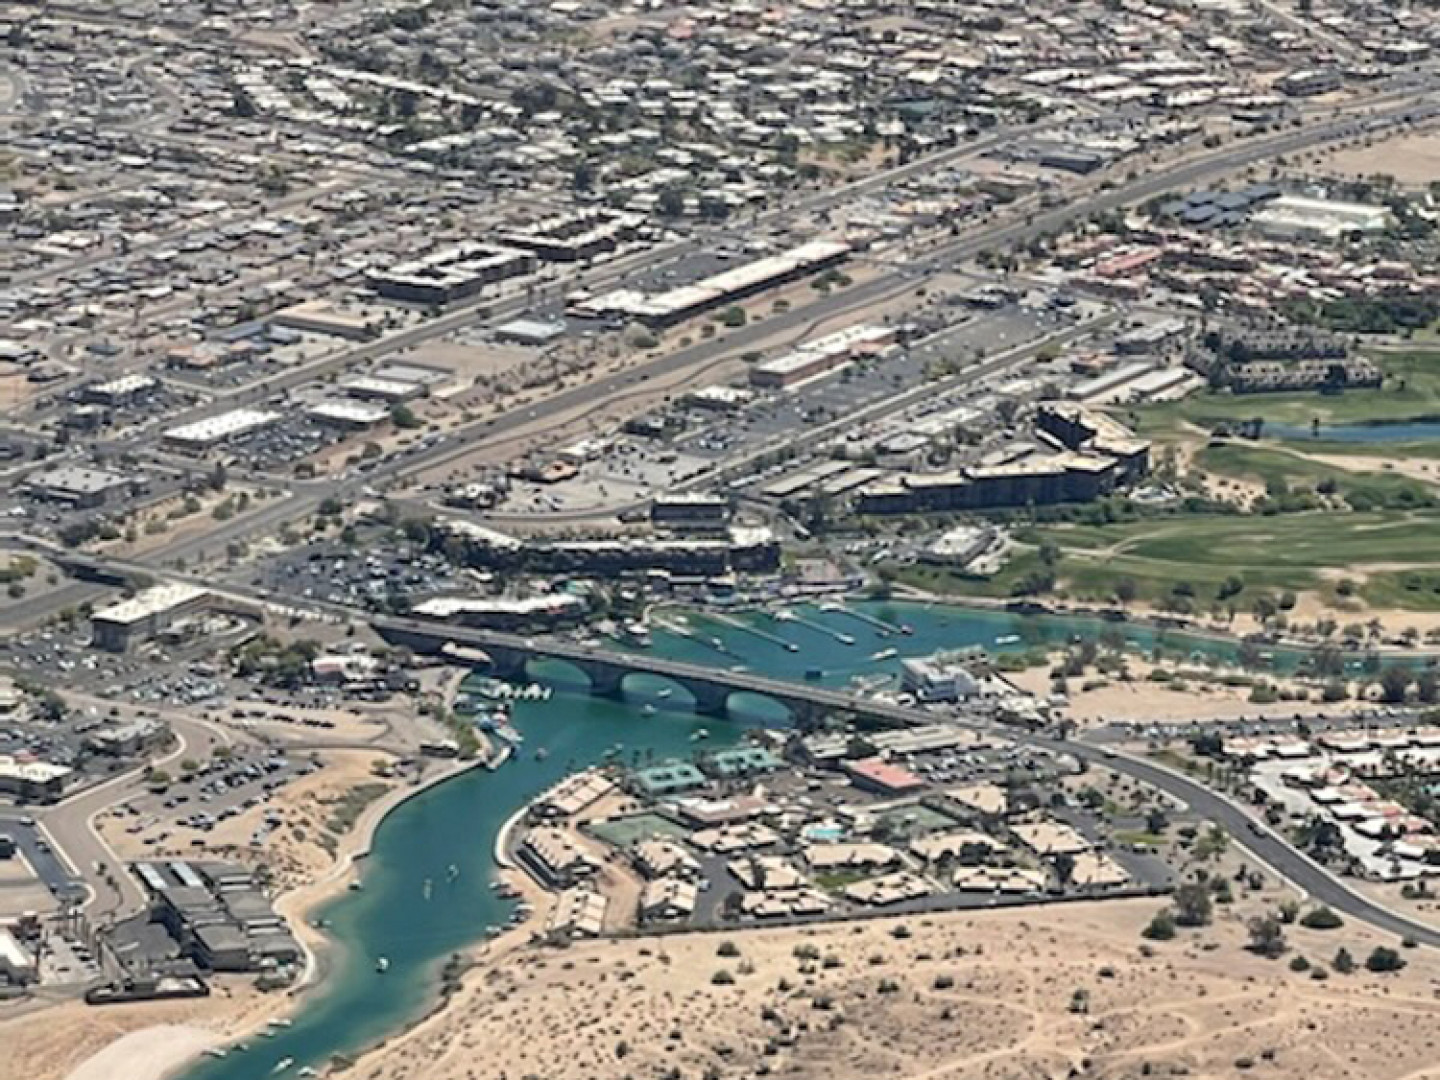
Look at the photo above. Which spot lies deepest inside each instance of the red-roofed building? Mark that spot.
(877, 774)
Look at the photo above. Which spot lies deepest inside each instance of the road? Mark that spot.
(1249, 831)
(71, 823)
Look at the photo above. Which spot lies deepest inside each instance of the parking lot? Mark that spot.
(45, 867)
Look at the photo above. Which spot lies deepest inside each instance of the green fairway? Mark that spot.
(1393, 558)
(1411, 392)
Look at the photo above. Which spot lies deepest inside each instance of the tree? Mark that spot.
(1156, 821)
(1064, 864)
(1344, 963)
(1394, 681)
(1267, 936)
(1193, 906)
(1384, 959)
(403, 417)
(1126, 590)
(1161, 927)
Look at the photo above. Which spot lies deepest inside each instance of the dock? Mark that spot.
(885, 628)
(773, 639)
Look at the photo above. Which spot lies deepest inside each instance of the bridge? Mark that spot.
(509, 656)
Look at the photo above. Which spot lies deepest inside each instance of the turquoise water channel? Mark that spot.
(457, 822)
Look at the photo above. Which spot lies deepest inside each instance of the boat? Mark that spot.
(284, 1064)
(886, 654)
(308, 1071)
(664, 692)
(845, 639)
(541, 753)
(784, 616)
(354, 886)
(636, 634)
(452, 872)
(282, 1022)
(427, 888)
(382, 965)
(703, 733)
(216, 1051)
(1007, 639)
(647, 710)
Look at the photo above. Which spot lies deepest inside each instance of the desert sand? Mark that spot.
(963, 996)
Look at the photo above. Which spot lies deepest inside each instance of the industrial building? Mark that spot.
(1295, 216)
(533, 333)
(451, 273)
(143, 616)
(213, 431)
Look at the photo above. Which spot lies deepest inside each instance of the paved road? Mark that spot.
(1250, 832)
(70, 823)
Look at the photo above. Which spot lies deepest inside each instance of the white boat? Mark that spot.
(282, 1022)
(886, 654)
(308, 1071)
(664, 692)
(284, 1064)
(216, 1051)
(1007, 639)
(845, 639)
(648, 710)
(382, 965)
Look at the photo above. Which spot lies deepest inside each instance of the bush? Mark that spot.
(1322, 918)
(728, 948)
(1383, 959)
(722, 978)
(1299, 963)
(1344, 963)
(943, 982)
(1161, 927)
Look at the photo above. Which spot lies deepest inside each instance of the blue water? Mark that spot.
(458, 821)
(1406, 431)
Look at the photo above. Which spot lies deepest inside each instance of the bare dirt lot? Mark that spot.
(1056, 992)
(1413, 160)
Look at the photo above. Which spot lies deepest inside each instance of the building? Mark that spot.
(18, 965)
(578, 912)
(691, 513)
(575, 236)
(323, 317)
(370, 387)
(659, 310)
(33, 781)
(451, 273)
(937, 678)
(533, 333)
(120, 392)
(881, 776)
(668, 900)
(83, 487)
(213, 431)
(556, 859)
(348, 415)
(821, 356)
(127, 738)
(544, 611)
(667, 778)
(1295, 216)
(143, 616)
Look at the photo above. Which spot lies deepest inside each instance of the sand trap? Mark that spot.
(147, 1054)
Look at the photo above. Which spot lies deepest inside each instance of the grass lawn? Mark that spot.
(1411, 392)
(1393, 555)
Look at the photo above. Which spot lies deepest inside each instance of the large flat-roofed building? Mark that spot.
(35, 781)
(142, 616)
(1326, 219)
(323, 317)
(687, 512)
(348, 415)
(686, 301)
(505, 613)
(121, 391)
(202, 435)
(822, 355)
(81, 486)
(374, 388)
(451, 273)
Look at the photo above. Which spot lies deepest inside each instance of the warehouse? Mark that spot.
(323, 317)
(213, 431)
(143, 616)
